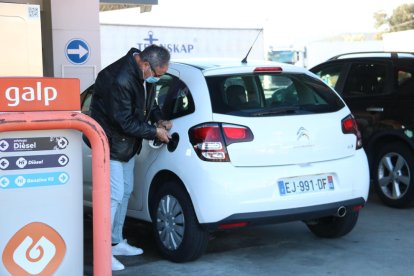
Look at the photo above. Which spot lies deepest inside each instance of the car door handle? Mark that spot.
(375, 109)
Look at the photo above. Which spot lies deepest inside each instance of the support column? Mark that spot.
(74, 40)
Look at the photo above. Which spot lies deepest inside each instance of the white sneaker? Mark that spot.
(116, 265)
(124, 249)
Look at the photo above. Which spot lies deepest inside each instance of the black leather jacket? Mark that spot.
(119, 105)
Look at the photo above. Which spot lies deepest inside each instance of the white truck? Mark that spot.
(182, 42)
(291, 55)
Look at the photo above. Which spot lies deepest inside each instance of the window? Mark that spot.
(330, 74)
(162, 87)
(267, 94)
(86, 98)
(365, 79)
(237, 96)
(174, 97)
(403, 76)
(405, 81)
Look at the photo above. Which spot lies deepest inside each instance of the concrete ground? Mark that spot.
(382, 243)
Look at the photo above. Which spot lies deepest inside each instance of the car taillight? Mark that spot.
(268, 69)
(210, 140)
(349, 125)
(236, 134)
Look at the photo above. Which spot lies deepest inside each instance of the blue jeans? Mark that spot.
(122, 183)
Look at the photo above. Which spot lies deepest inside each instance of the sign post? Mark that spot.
(77, 51)
(41, 180)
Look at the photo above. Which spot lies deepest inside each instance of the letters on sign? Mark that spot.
(29, 94)
(39, 94)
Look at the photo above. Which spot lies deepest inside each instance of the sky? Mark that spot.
(289, 21)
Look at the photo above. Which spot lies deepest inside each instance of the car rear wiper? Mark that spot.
(277, 110)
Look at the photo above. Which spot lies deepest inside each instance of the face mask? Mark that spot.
(152, 79)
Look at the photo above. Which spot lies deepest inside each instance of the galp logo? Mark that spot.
(36, 249)
(39, 94)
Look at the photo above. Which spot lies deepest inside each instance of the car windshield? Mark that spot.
(271, 95)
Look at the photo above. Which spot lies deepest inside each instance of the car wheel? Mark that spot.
(178, 234)
(333, 226)
(393, 175)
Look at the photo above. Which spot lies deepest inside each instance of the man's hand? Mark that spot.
(162, 135)
(165, 124)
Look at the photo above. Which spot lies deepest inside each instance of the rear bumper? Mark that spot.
(286, 215)
(221, 191)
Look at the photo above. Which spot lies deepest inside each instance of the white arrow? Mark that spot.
(63, 177)
(62, 142)
(4, 163)
(4, 182)
(80, 51)
(63, 160)
(3, 145)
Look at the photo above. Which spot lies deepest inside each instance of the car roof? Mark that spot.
(376, 54)
(207, 64)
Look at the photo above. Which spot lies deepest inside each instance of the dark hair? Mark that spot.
(155, 55)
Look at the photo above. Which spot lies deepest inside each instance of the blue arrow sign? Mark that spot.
(33, 180)
(77, 51)
(32, 144)
(33, 162)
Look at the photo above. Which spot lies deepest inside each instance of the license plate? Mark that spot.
(306, 184)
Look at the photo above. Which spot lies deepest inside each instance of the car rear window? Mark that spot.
(271, 95)
(365, 79)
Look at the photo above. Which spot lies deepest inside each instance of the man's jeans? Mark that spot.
(122, 183)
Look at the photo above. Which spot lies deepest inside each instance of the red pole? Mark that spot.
(44, 120)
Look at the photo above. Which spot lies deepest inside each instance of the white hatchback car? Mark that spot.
(253, 143)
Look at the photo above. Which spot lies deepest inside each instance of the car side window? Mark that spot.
(405, 81)
(365, 79)
(86, 98)
(174, 98)
(162, 87)
(330, 74)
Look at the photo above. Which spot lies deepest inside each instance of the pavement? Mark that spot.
(382, 243)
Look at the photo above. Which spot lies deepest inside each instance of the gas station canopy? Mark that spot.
(144, 5)
(105, 5)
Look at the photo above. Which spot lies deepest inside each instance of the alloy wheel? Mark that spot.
(393, 175)
(170, 222)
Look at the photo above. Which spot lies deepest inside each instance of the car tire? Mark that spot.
(178, 235)
(333, 226)
(393, 175)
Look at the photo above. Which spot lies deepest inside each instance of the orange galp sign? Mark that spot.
(39, 94)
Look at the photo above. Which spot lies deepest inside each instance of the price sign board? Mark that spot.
(41, 190)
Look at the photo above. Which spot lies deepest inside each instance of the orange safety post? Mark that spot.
(23, 121)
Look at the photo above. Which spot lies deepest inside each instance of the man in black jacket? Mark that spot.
(123, 103)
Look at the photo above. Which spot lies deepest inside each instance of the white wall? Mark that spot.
(76, 19)
(21, 45)
(399, 41)
(182, 42)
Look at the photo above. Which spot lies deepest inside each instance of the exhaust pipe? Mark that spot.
(341, 212)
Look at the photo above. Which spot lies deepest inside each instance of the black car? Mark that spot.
(378, 87)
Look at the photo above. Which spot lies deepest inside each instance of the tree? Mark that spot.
(401, 19)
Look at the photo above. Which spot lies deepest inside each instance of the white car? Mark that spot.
(253, 143)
